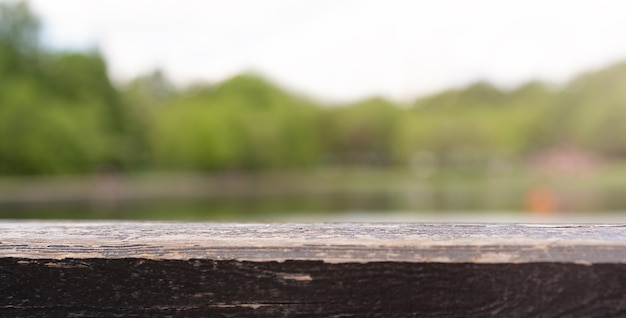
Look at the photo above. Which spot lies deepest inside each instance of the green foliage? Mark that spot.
(47, 139)
(479, 119)
(362, 133)
(60, 113)
(242, 123)
(592, 111)
(18, 32)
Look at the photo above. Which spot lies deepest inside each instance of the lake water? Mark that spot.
(328, 195)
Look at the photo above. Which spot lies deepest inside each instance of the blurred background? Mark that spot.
(325, 110)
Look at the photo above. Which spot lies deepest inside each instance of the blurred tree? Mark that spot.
(145, 97)
(592, 110)
(362, 133)
(19, 31)
(244, 122)
(480, 94)
(60, 112)
(479, 119)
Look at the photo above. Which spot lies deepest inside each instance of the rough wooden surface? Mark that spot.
(332, 242)
(110, 269)
(204, 288)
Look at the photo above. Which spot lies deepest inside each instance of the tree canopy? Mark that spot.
(60, 113)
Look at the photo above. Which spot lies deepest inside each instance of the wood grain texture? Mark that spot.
(207, 288)
(332, 242)
(110, 269)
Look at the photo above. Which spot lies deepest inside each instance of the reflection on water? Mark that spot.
(327, 194)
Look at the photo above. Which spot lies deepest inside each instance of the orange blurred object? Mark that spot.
(541, 199)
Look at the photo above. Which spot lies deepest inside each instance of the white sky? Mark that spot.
(345, 49)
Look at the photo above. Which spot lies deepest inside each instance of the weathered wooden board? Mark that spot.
(107, 269)
(329, 242)
(205, 288)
